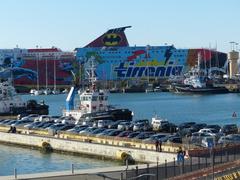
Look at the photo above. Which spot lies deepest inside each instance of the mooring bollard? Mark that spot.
(72, 167)
(15, 173)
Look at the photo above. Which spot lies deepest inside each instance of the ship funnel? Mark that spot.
(70, 99)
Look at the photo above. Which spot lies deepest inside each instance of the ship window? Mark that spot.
(101, 98)
(105, 98)
(94, 98)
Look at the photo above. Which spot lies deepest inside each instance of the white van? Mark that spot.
(157, 123)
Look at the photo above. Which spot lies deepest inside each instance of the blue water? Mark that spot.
(211, 109)
(33, 161)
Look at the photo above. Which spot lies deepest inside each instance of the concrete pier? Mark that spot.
(89, 148)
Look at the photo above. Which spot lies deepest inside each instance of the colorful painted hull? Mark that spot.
(117, 61)
(158, 62)
(29, 67)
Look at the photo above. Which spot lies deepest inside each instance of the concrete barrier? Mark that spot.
(93, 149)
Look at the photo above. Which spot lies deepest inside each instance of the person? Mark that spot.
(10, 130)
(157, 145)
(14, 130)
(160, 146)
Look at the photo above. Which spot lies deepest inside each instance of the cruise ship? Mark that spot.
(42, 67)
(116, 60)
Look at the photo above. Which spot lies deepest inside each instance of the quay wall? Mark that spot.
(89, 148)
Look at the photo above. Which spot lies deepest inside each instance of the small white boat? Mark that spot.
(56, 91)
(65, 91)
(47, 91)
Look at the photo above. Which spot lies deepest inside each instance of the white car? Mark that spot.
(31, 117)
(210, 131)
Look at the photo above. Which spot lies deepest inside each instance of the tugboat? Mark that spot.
(12, 104)
(93, 103)
(198, 81)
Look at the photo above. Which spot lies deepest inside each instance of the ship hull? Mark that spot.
(114, 114)
(208, 90)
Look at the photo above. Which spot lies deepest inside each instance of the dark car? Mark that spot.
(55, 127)
(114, 133)
(66, 127)
(154, 137)
(144, 135)
(114, 125)
(124, 133)
(169, 127)
(229, 129)
(185, 125)
(133, 134)
(99, 130)
(175, 140)
(105, 132)
(214, 126)
(199, 126)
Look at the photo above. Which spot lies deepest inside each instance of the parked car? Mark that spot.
(185, 125)
(141, 126)
(66, 127)
(124, 126)
(199, 126)
(214, 126)
(77, 128)
(10, 122)
(133, 134)
(124, 133)
(229, 139)
(144, 135)
(87, 130)
(114, 125)
(45, 125)
(115, 132)
(229, 129)
(30, 117)
(105, 132)
(22, 122)
(55, 127)
(32, 125)
(153, 138)
(104, 123)
(175, 140)
(99, 130)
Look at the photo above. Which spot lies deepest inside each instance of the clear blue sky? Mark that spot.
(74, 23)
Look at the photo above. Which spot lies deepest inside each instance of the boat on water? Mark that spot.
(93, 104)
(12, 104)
(198, 81)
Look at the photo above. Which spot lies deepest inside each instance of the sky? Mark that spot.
(68, 24)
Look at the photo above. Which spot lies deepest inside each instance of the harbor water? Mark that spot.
(210, 109)
(177, 108)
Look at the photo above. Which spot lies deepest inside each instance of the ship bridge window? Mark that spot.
(94, 98)
(101, 98)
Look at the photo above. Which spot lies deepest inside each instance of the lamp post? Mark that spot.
(147, 54)
(37, 69)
